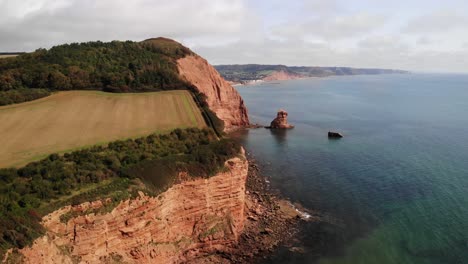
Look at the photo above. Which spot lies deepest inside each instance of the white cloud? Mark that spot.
(301, 32)
(331, 28)
(375, 52)
(437, 22)
(424, 41)
(53, 22)
(384, 43)
(321, 7)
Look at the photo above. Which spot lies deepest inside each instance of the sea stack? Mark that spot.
(281, 120)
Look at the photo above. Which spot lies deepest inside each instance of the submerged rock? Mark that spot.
(281, 120)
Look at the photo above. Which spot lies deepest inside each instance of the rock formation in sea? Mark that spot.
(222, 98)
(332, 134)
(281, 120)
(194, 217)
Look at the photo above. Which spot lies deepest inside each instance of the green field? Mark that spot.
(70, 120)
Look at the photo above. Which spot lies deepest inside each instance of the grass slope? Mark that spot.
(76, 119)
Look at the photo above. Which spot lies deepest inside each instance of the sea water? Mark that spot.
(393, 190)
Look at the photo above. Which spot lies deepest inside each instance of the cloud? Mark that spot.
(34, 24)
(321, 7)
(374, 52)
(332, 28)
(302, 32)
(424, 41)
(437, 22)
(267, 51)
(384, 43)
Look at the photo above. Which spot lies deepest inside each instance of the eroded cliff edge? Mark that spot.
(192, 218)
(222, 98)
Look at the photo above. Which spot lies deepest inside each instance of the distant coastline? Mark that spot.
(256, 73)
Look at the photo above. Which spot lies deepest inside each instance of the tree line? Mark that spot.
(113, 66)
(21, 95)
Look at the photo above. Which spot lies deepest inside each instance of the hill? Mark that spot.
(115, 66)
(257, 72)
(157, 64)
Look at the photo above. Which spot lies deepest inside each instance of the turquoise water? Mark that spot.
(394, 189)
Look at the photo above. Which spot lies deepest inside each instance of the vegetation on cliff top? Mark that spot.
(21, 95)
(101, 172)
(115, 66)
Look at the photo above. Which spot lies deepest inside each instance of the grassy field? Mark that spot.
(7, 56)
(70, 120)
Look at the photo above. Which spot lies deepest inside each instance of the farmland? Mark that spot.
(70, 120)
(9, 54)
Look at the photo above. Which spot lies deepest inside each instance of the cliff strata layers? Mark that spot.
(222, 98)
(189, 219)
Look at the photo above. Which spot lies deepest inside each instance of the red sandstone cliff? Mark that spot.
(281, 120)
(222, 98)
(282, 76)
(197, 216)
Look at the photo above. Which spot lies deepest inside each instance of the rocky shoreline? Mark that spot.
(272, 221)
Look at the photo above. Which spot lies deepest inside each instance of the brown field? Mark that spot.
(7, 56)
(70, 120)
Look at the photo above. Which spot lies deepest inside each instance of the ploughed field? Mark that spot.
(7, 56)
(74, 119)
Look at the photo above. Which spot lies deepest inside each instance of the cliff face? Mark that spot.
(222, 98)
(190, 218)
(282, 76)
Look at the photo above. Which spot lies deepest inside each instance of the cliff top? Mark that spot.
(117, 66)
(168, 47)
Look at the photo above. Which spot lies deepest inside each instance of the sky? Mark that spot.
(415, 35)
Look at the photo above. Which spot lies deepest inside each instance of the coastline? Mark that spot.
(261, 81)
(276, 81)
(271, 221)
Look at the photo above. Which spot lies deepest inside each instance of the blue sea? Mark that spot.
(393, 190)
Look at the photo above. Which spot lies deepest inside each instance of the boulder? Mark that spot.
(332, 134)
